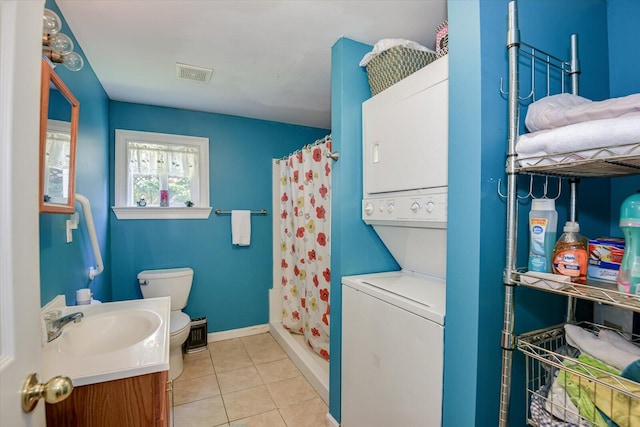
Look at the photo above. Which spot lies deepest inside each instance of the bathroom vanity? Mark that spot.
(136, 401)
(117, 357)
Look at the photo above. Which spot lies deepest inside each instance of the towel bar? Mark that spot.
(260, 212)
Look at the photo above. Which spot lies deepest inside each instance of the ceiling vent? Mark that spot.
(193, 73)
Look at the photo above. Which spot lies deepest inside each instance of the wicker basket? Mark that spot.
(442, 39)
(393, 65)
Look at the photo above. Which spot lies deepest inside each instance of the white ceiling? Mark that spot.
(271, 58)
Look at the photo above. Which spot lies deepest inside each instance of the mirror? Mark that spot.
(59, 114)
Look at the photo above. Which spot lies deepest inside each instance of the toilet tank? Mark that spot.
(172, 282)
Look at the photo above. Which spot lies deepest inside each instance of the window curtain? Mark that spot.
(305, 229)
(57, 166)
(164, 161)
(58, 148)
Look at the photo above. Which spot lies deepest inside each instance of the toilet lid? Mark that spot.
(178, 321)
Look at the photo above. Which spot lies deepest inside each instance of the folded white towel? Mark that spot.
(619, 341)
(588, 343)
(589, 135)
(566, 109)
(241, 227)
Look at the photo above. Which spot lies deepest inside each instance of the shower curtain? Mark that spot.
(305, 201)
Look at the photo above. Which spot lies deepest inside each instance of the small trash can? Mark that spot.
(197, 339)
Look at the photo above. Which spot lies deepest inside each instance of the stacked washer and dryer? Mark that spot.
(393, 322)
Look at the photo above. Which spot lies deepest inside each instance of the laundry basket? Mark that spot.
(394, 64)
(442, 39)
(546, 355)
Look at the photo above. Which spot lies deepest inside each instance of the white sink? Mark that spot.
(112, 341)
(108, 332)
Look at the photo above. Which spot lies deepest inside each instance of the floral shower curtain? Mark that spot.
(305, 201)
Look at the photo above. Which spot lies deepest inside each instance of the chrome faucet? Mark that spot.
(54, 327)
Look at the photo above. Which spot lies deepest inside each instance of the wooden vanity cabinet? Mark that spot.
(136, 401)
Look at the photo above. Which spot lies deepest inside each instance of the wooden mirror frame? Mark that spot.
(49, 77)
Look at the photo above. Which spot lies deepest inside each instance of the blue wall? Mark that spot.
(230, 285)
(624, 33)
(478, 137)
(624, 36)
(64, 267)
(463, 234)
(355, 248)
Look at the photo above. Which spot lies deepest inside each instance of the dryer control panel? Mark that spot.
(415, 210)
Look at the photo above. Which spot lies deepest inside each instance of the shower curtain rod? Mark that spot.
(333, 155)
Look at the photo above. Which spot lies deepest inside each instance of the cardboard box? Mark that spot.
(605, 256)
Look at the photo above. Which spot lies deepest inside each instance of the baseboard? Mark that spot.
(331, 422)
(237, 333)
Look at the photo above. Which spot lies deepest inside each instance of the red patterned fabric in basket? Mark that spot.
(442, 39)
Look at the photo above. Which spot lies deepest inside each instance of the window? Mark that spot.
(161, 176)
(56, 162)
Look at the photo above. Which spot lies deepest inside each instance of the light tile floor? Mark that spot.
(248, 382)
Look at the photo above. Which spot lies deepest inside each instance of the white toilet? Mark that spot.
(174, 283)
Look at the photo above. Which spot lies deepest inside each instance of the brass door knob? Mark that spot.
(55, 390)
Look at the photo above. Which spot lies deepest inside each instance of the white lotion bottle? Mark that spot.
(543, 226)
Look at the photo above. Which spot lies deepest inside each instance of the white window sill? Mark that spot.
(149, 212)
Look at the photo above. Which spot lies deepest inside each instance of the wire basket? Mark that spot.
(555, 378)
(393, 65)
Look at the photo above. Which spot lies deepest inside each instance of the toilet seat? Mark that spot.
(178, 322)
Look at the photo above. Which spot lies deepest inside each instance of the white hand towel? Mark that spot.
(588, 343)
(618, 341)
(241, 227)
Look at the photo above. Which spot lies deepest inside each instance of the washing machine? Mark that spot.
(393, 323)
(392, 349)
